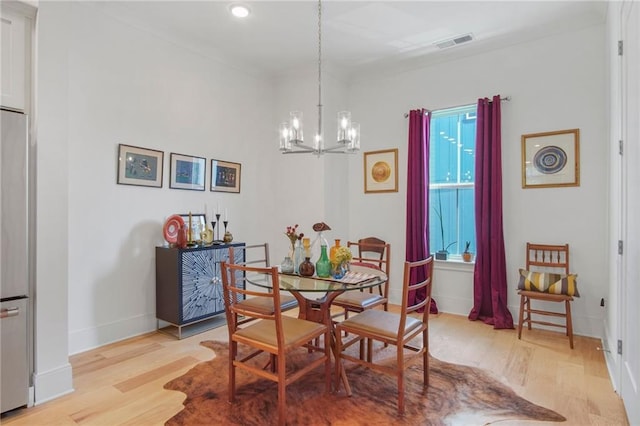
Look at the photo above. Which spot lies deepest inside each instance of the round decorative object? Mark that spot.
(380, 171)
(286, 267)
(306, 268)
(550, 159)
(228, 237)
(171, 228)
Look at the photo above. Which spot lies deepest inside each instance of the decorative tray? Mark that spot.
(351, 277)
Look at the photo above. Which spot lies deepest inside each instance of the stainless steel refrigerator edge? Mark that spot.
(15, 336)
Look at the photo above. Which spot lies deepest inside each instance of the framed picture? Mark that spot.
(381, 171)
(139, 166)
(187, 172)
(551, 159)
(225, 176)
(198, 224)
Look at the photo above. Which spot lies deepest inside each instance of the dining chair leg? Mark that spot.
(327, 363)
(233, 349)
(569, 322)
(282, 394)
(338, 359)
(400, 373)
(521, 316)
(425, 358)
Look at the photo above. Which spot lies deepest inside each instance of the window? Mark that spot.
(451, 179)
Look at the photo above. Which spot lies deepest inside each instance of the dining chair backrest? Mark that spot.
(417, 275)
(376, 252)
(234, 293)
(546, 256)
(254, 254)
(372, 250)
(257, 255)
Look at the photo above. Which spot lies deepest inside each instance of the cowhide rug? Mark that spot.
(456, 395)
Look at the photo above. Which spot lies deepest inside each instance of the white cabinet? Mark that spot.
(15, 41)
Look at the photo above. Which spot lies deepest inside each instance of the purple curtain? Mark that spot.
(418, 198)
(490, 274)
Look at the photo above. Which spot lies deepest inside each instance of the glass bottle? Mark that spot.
(334, 249)
(316, 245)
(306, 268)
(286, 267)
(306, 245)
(298, 257)
(323, 265)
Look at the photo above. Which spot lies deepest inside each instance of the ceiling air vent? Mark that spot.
(454, 41)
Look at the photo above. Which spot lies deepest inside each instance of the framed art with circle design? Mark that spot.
(381, 171)
(551, 159)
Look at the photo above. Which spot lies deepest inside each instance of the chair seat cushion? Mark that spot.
(264, 305)
(358, 299)
(295, 331)
(378, 322)
(546, 282)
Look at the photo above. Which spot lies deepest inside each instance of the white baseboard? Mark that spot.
(53, 383)
(94, 337)
(611, 357)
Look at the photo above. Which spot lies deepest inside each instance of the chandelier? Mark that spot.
(291, 132)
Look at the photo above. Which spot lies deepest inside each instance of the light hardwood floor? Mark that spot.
(122, 383)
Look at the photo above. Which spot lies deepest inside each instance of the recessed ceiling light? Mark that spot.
(239, 10)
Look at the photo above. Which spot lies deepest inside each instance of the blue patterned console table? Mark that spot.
(189, 287)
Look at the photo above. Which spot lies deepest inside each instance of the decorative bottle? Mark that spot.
(334, 249)
(298, 257)
(316, 245)
(323, 265)
(306, 268)
(286, 267)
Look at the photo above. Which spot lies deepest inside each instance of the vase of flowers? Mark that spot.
(289, 262)
(292, 233)
(340, 262)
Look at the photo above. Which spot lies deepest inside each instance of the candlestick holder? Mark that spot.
(228, 237)
(218, 232)
(213, 228)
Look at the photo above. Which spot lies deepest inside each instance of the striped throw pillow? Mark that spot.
(551, 283)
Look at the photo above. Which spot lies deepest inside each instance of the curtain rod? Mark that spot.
(505, 99)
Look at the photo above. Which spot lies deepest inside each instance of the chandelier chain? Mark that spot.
(320, 72)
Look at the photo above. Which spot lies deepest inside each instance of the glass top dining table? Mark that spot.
(318, 309)
(358, 278)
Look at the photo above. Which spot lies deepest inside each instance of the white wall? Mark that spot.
(52, 375)
(102, 82)
(120, 84)
(555, 83)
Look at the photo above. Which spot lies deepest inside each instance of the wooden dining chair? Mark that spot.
(547, 279)
(274, 334)
(398, 329)
(258, 255)
(372, 252)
